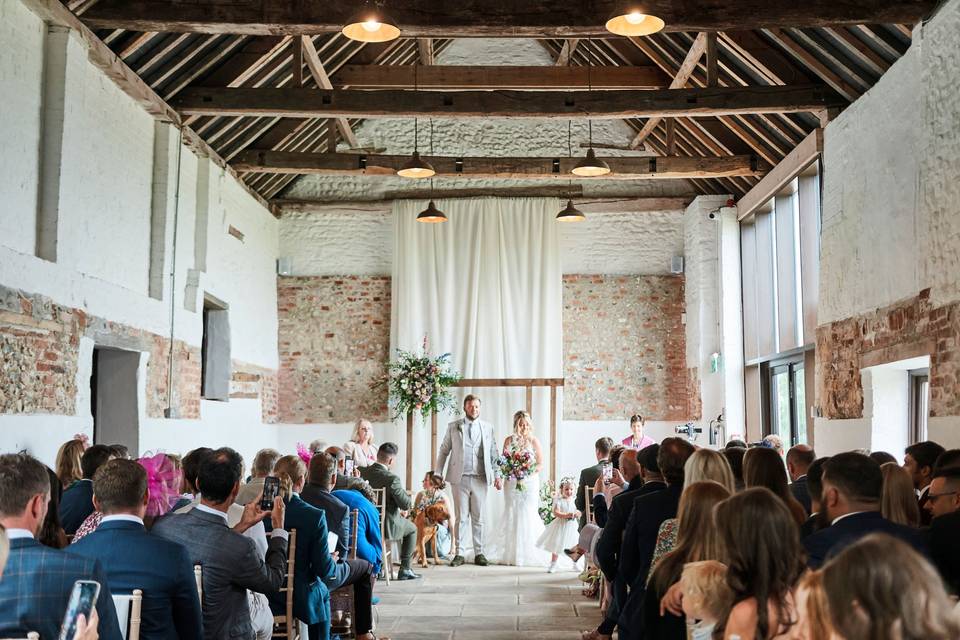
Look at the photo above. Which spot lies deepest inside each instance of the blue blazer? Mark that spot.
(35, 590)
(313, 564)
(134, 559)
(369, 542)
(832, 540)
(75, 505)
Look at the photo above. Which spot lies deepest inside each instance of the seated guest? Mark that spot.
(51, 532)
(369, 541)
(919, 459)
(604, 490)
(763, 467)
(944, 508)
(637, 440)
(342, 570)
(190, 465)
(735, 443)
(898, 502)
(773, 441)
(799, 459)
(68, 462)
(588, 477)
(949, 459)
(135, 559)
(879, 587)
(37, 581)
(396, 527)
(761, 544)
(262, 466)
(705, 596)
(77, 501)
(361, 447)
(231, 562)
(433, 486)
(852, 487)
(734, 456)
(882, 457)
(120, 451)
(346, 481)
(817, 518)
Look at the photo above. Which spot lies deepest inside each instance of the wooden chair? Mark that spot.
(342, 599)
(198, 576)
(128, 614)
(31, 635)
(588, 504)
(286, 626)
(380, 502)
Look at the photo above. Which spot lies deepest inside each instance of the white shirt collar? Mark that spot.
(800, 478)
(925, 490)
(202, 507)
(16, 534)
(846, 515)
(121, 517)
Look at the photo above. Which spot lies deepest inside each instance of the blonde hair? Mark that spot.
(356, 430)
(517, 417)
(814, 614)
(898, 502)
(705, 589)
(68, 462)
(292, 471)
(709, 465)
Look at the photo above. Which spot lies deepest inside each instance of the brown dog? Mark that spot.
(427, 521)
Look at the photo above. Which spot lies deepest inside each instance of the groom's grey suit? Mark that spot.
(472, 452)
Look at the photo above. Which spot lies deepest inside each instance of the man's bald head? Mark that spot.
(799, 459)
(629, 466)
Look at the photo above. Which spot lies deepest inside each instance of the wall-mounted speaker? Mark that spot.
(676, 265)
(285, 266)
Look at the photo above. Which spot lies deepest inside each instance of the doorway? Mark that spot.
(113, 398)
(787, 401)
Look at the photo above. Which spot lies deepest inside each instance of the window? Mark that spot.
(919, 407)
(787, 406)
(215, 363)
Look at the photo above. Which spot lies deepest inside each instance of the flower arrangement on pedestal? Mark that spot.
(420, 383)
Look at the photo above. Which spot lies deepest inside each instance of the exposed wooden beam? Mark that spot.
(636, 168)
(566, 52)
(297, 59)
(449, 77)
(55, 13)
(671, 139)
(486, 18)
(425, 49)
(711, 55)
(323, 81)
(310, 103)
(827, 74)
(786, 170)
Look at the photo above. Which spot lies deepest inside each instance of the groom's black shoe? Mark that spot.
(481, 560)
(407, 574)
(457, 561)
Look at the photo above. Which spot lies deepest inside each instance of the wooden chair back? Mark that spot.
(380, 502)
(341, 600)
(588, 504)
(128, 614)
(31, 635)
(286, 626)
(198, 576)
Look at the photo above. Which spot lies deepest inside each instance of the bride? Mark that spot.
(521, 525)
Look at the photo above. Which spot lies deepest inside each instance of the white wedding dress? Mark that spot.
(517, 530)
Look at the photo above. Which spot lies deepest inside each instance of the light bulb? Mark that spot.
(635, 17)
(370, 25)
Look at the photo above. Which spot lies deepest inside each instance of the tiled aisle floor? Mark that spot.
(485, 603)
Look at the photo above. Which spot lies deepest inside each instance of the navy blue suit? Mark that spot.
(801, 492)
(831, 540)
(134, 559)
(369, 541)
(75, 505)
(35, 590)
(338, 514)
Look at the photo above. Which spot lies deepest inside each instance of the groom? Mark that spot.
(472, 450)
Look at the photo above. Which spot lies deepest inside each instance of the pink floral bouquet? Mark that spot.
(518, 464)
(418, 382)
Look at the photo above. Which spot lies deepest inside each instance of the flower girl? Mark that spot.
(562, 532)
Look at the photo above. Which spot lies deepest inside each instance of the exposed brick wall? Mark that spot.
(334, 339)
(251, 381)
(903, 330)
(624, 349)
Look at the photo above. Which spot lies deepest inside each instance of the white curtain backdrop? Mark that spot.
(485, 286)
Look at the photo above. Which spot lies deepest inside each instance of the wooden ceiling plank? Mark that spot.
(211, 59)
(135, 43)
(158, 53)
(857, 47)
(826, 74)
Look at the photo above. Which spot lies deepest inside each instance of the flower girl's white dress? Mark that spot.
(561, 533)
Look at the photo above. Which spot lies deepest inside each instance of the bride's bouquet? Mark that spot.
(517, 463)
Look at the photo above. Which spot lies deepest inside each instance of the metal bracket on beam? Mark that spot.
(556, 165)
(362, 162)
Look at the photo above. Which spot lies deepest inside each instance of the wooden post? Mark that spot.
(553, 434)
(433, 438)
(530, 400)
(296, 64)
(711, 51)
(410, 450)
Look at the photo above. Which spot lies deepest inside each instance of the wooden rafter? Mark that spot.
(425, 49)
(566, 52)
(450, 77)
(323, 81)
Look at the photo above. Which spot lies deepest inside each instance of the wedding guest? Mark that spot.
(191, 467)
(773, 441)
(761, 545)
(369, 541)
(134, 559)
(604, 490)
(696, 541)
(360, 446)
(813, 610)
(77, 501)
(51, 531)
(881, 588)
(735, 443)
(37, 581)
(346, 481)
(637, 440)
(949, 459)
(588, 477)
(231, 562)
(433, 493)
(898, 502)
(317, 446)
(120, 451)
(262, 466)
(562, 530)
(944, 507)
(882, 457)
(734, 456)
(68, 462)
(919, 459)
(396, 527)
(817, 519)
(705, 596)
(852, 487)
(799, 459)
(763, 467)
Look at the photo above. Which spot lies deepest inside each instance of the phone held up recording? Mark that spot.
(271, 489)
(83, 599)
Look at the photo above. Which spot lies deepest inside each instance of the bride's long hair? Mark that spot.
(521, 420)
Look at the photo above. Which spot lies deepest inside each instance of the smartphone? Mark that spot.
(607, 471)
(271, 487)
(348, 466)
(83, 599)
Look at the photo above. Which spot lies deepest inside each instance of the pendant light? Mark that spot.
(591, 166)
(431, 214)
(570, 213)
(370, 24)
(632, 20)
(416, 167)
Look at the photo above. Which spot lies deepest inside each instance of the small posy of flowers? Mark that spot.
(517, 463)
(419, 383)
(545, 507)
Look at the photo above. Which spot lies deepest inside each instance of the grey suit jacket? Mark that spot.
(231, 565)
(452, 448)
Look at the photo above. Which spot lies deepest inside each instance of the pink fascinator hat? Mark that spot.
(163, 483)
